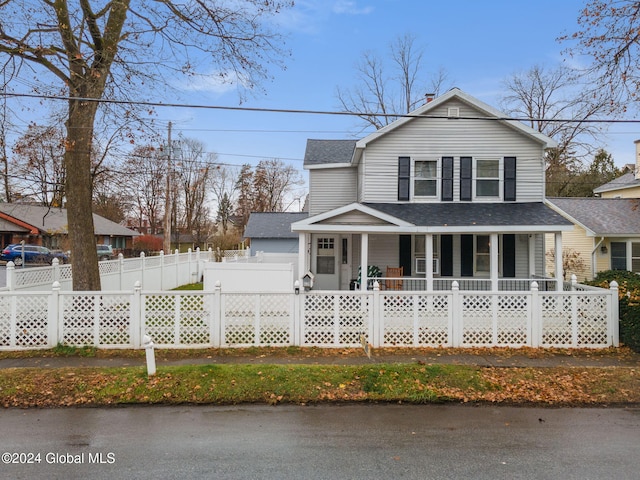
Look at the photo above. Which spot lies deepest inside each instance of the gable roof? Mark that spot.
(628, 180)
(50, 220)
(329, 152)
(272, 224)
(486, 110)
(333, 153)
(601, 216)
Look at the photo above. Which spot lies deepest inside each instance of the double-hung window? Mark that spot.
(425, 179)
(487, 178)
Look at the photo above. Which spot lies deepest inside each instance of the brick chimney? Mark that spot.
(428, 97)
(637, 142)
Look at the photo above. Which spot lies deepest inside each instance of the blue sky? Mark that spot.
(478, 43)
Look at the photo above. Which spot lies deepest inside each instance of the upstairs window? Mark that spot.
(425, 182)
(488, 178)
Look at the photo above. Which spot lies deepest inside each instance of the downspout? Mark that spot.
(593, 257)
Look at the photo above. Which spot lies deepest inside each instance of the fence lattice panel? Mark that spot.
(115, 321)
(79, 317)
(415, 320)
(177, 320)
(24, 322)
(592, 319)
(336, 319)
(556, 320)
(257, 319)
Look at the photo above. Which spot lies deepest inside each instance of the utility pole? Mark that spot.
(166, 246)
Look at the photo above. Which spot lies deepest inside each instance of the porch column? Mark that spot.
(493, 252)
(558, 255)
(302, 256)
(532, 256)
(364, 260)
(428, 245)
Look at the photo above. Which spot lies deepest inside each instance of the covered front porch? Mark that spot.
(492, 252)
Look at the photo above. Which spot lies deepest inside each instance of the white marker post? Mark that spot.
(147, 343)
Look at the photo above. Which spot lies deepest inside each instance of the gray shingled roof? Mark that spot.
(321, 152)
(627, 180)
(472, 214)
(603, 216)
(52, 219)
(272, 224)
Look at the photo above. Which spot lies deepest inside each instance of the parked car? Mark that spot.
(31, 254)
(105, 252)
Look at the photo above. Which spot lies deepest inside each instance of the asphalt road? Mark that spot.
(320, 442)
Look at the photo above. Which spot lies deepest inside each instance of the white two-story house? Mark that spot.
(454, 185)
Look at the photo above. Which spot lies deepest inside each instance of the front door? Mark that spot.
(345, 262)
(326, 253)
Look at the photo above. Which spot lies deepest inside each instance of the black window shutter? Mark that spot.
(447, 179)
(404, 177)
(509, 256)
(510, 179)
(446, 255)
(405, 255)
(466, 255)
(465, 178)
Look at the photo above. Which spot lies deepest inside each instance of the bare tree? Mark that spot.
(386, 89)
(38, 165)
(143, 180)
(273, 181)
(553, 102)
(88, 48)
(192, 174)
(609, 35)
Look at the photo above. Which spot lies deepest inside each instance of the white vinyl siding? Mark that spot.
(331, 188)
(437, 138)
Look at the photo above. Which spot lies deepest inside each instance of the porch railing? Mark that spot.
(413, 284)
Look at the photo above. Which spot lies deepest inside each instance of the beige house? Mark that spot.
(605, 235)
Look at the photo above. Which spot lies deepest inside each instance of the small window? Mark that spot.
(488, 178)
(618, 256)
(325, 259)
(425, 179)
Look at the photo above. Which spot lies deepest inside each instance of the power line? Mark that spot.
(313, 112)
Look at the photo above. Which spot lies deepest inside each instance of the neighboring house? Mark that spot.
(271, 232)
(453, 185)
(625, 186)
(605, 236)
(47, 226)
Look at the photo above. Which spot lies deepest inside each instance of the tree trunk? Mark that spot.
(84, 257)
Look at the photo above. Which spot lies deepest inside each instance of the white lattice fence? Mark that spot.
(178, 319)
(337, 319)
(101, 320)
(181, 319)
(410, 319)
(257, 319)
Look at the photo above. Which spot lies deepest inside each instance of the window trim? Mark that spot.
(435, 179)
(499, 178)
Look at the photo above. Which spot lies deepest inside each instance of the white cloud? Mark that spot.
(217, 83)
(350, 8)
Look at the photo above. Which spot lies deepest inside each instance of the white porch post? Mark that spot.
(558, 255)
(493, 252)
(532, 256)
(302, 255)
(428, 245)
(364, 260)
